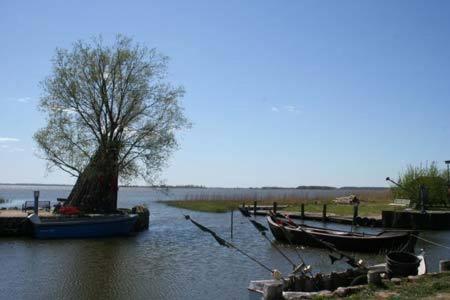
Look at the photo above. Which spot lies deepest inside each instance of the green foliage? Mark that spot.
(3, 200)
(433, 178)
(428, 287)
(113, 101)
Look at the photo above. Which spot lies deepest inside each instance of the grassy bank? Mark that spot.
(373, 202)
(427, 287)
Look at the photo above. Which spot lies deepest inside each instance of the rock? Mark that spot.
(440, 296)
(341, 292)
(325, 294)
(385, 295)
(298, 295)
(396, 281)
(413, 278)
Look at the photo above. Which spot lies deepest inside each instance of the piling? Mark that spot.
(324, 212)
(275, 207)
(355, 213)
(444, 266)
(143, 220)
(232, 217)
(373, 277)
(36, 202)
(273, 291)
(255, 206)
(302, 210)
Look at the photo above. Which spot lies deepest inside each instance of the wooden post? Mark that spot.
(275, 207)
(36, 202)
(444, 266)
(273, 291)
(302, 210)
(254, 208)
(355, 213)
(373, 277)
(232, 217)
(324, 212)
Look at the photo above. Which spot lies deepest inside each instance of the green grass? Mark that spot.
(373, 202)
(426, 287)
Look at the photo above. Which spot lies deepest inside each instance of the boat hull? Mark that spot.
(308, 236)
(85, 228)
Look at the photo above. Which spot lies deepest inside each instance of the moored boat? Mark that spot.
(82, 227)
(284, 230)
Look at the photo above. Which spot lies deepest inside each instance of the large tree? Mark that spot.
(111, 116)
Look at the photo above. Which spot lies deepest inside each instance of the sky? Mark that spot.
(280, 93)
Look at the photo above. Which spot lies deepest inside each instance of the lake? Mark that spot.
(172, 260)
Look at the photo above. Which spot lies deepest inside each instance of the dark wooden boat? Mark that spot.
(284, 230)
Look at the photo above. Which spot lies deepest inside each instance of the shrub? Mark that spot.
(433, 178)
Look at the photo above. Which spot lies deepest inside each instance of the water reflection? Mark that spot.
(173, 260)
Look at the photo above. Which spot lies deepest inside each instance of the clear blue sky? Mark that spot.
(279, 92)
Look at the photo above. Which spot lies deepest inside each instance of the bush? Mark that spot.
(433, 178)
(3, 200)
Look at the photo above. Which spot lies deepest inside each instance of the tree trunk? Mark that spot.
(96, 188)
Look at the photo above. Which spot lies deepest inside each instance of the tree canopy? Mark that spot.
(110, 114)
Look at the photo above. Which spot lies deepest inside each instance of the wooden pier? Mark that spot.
(407, 219)
(322, 217)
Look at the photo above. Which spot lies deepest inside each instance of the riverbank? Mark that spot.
(430, 286)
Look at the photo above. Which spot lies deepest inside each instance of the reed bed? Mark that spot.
(372, 202)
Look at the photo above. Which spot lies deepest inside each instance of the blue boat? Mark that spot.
(82, 227)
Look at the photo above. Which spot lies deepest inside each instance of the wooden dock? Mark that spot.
(258, 210)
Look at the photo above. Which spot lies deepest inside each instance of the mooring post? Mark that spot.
(273, 290)
(302, 210)
(275, 207)
(355, 212)
(36, 202)
(232, 219)
(324, 212)
(373, 277)
(255, 205)
(444, 266)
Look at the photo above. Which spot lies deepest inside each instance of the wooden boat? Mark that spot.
(284, 230)
(82, 227)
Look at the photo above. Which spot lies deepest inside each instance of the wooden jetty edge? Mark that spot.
(407, 219)
(322, 217)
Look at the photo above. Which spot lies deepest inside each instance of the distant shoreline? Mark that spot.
(302, 187)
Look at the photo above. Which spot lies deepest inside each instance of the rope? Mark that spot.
(252, 258)
(279, 250)
(204, 228)
(431, 242)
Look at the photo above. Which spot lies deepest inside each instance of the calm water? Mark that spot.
(173, 260)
